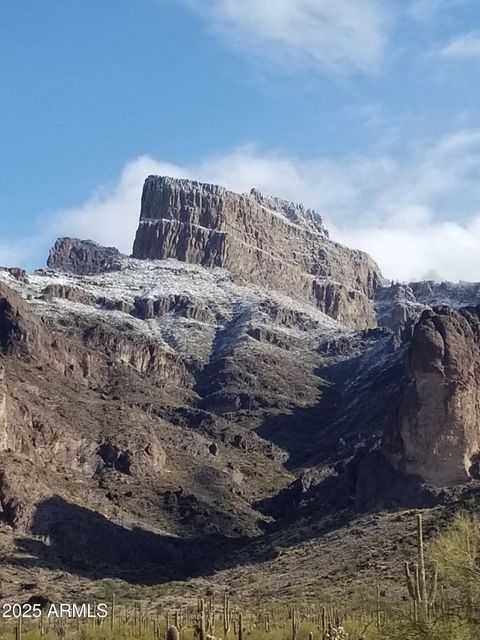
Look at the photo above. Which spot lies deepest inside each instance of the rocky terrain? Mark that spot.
(241, 397)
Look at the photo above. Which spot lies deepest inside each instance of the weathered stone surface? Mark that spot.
(437, 435)
(21, 332)
(67, 293)
(17, 273)
(20, 493)
(399, 306)
(260, 240)
(83, 257)
(136, 456)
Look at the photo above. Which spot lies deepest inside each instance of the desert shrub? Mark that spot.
(456, 552)
(442, 629)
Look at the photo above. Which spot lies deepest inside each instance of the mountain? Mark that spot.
(239, 393)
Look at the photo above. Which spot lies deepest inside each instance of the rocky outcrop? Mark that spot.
(259, 240)
(146, 308)
(21, 491)
(17, 273)
(21, 332)
(136, 351)
(398, 309)
(399, 306)
(436, 435)
(83, 257)
(133, 455)
(67, 293)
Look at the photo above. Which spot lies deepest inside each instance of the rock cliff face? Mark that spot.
(437, 436)
(21, 332)
(258, 239)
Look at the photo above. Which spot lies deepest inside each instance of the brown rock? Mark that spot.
(135, 456)
(437, 436)
(83, 257)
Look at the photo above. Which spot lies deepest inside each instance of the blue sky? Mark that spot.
(367, 110)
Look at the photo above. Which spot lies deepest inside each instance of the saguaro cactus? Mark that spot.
(173, 633)
(421, 591)
(240, 626)
(227, 615)
(202, 621)
(295, 623)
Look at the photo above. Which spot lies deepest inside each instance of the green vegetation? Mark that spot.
(442, 602)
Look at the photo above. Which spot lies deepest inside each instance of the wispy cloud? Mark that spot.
(464, 47)
(345, 36)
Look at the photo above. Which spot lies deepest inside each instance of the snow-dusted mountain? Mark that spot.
(240, 373)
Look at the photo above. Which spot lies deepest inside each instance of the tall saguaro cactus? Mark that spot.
(202, 621)
(226, 615)
(421, 591)
(240, 626)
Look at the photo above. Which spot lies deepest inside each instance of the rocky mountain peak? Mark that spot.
(83, 257)
(260, 240)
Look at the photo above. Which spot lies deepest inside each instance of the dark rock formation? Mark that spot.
(21, 332)
(136, 456)
(17, 273)
(260, 240)
(67, 293)
(83, 257)
(436, 436)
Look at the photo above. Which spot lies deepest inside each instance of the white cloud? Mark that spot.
(466, 46)
(350, 35)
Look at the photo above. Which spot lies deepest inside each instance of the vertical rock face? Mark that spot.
(437, 436)
(3, 407)
(20, 331)
(260, 240)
